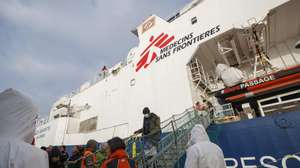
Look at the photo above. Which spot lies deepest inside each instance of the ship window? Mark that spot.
(171, 19)
(269, 101)
(194, 20)
(132, 82)
(290, 97)
(56, 116)
(88, 125)
(174, 17)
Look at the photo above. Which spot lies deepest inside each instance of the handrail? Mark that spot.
(166, 120)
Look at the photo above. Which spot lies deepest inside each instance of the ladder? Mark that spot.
(199, 77)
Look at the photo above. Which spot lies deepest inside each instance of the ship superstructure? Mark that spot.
(174, 66)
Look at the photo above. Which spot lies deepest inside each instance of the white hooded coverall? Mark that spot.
(17, 126)
(229, 75)
(202, 153)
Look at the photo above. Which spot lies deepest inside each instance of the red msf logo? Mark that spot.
(150, 53)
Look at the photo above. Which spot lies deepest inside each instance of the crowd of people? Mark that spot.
(111, 154)
(17, 127)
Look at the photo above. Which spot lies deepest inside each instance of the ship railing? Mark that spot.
(223, 111)
(279, 103)
(173, 131)
(224, 114)
(41, 121)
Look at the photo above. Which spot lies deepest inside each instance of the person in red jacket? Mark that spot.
(117, 156)
(89, 158)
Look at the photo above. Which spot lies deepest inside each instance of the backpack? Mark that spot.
(122, 163)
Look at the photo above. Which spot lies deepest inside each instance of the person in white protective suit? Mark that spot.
(202, 153)
(17, 127)
(230, 76)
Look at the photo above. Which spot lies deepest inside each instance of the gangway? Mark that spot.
(173, 144)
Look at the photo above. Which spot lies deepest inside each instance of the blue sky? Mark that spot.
(50, 47)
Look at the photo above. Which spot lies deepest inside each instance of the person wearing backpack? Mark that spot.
(117, 156)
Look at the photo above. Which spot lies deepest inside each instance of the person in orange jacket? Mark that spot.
(89, 158)
(117, 156)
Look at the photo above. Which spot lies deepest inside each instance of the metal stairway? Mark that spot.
(174, 143)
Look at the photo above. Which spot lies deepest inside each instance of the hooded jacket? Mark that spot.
(89, 159)
(17, 119)
(119, 159)
(202, 153)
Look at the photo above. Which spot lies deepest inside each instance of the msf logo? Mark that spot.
(150, 53)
